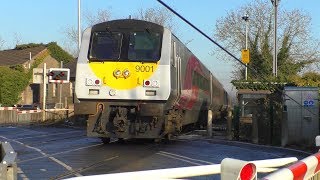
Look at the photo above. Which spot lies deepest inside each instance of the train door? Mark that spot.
(177, 67)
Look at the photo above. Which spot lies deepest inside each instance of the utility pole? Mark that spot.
(275, 4)
(246, 19)
(79, 25)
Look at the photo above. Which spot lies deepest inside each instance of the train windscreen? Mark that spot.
(144, 46)
(105, 45)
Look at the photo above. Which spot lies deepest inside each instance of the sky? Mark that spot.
(43, 21)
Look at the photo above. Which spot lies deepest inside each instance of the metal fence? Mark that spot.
(33, 116)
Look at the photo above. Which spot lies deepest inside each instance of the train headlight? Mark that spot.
(112, 92)
(93, 82)
(117, 73)
(126, 73)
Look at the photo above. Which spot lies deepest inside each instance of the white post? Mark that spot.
(275, 66)
(60, 94)
(246, 76)
(246, 19)
(209, 123)
(79, 25)
(30, 57)
(44, 91)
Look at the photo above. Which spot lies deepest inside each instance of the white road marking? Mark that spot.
(84, 168)
(180, 159)
(185, 157)
(43, 135)
(44, 154)
(63, 152)
(21, 174)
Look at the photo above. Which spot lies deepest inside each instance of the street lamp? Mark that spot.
(246, 19)
(275, 4)
(79, 24)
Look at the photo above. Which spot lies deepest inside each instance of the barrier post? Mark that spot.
(209, 123)
(229, 122)
(3, 171)
(8, 166)
(237, 169)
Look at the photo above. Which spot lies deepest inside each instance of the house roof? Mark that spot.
(14, 56)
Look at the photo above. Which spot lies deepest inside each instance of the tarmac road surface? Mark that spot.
(58, 152)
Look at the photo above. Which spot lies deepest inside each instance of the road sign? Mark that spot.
(245, 56)
(59, 75)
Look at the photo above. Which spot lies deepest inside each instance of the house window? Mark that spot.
(54, 90)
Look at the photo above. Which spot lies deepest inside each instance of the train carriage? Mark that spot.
(135, 79)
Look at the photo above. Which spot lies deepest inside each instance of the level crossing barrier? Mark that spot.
(8, 162)
(307, 168)
(229, 168)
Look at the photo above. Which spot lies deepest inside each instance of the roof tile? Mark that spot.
(14, 57)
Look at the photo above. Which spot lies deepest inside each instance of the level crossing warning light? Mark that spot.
(237, 170)
(59, 75)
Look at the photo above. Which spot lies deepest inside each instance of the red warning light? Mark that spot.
(59, 75)
(247, 172)
(50, 73)
(147, 83)
(97, 81)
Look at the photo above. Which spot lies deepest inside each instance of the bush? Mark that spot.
(13, 82)
(58, 53)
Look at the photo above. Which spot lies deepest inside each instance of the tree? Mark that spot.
(2, 42)
(17, 38)
(158, 15)
(71, 32)
(101, 16)
(307, 79)
(296, 48)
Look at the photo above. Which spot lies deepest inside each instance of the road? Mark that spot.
(57, 152)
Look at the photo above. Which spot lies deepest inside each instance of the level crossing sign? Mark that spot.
(59, 75)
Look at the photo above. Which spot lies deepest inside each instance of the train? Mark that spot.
(136, 79)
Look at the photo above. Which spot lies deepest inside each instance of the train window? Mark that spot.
(144, 46)
(200, 81)
(105, 45)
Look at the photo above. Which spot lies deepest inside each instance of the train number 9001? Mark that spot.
(142, 68)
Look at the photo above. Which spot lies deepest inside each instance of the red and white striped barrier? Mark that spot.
(192, 171)
(59, 81)
(304, 169)
(50, 110)
(7, 108)
(28, 111)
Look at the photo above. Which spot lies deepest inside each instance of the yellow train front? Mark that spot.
(135, 79)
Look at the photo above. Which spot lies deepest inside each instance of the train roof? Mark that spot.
(127, 24)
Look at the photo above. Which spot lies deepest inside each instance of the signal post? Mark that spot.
(55, 75)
